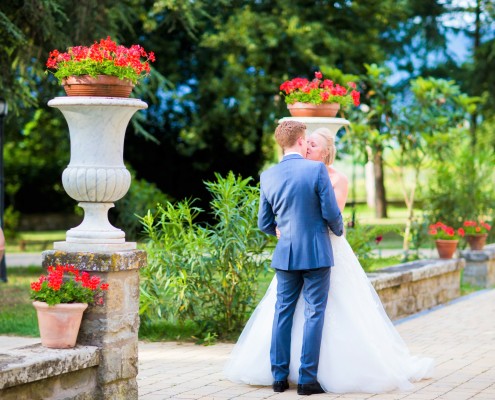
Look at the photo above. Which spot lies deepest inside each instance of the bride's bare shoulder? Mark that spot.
(338, 177)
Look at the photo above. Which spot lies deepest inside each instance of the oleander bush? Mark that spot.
(206, 273)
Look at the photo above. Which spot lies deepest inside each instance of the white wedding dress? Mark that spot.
(361, 350)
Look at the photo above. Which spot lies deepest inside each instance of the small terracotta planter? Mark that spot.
(476, 242)
(59, 324)
(446, 248)
(313, 110)
(98, 86)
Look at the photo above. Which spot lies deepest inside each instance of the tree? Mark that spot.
(426, 129)
(223, 111)
(225, 59)
(372, 131)
(36, 144)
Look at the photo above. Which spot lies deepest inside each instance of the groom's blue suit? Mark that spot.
(297, 197)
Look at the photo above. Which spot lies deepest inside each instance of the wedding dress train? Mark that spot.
(361, 350)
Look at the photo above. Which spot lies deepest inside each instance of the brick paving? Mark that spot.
(460, 336)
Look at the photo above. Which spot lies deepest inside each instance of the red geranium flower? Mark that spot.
(66, 284)
(105, 57)
(476, 228)
(439, 230)
(319, 91)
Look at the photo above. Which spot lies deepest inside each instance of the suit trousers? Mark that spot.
(315, 284)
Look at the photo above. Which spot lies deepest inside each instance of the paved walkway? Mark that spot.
(22, 260)
(460, 336)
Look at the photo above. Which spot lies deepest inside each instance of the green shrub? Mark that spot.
(363, 239)
(142, 196)
(11, 223)
(206, 273)
(461, 187)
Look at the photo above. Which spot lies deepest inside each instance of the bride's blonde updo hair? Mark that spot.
(330, 144)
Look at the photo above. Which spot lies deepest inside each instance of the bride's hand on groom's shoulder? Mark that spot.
(277, 232)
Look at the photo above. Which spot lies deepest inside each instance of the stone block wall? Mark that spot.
(38, 373)
(412, 287)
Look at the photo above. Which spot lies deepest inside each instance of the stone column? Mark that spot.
(96, 177)
(480, 266)
(113, 327)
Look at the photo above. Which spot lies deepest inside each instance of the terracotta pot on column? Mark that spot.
(477, 242)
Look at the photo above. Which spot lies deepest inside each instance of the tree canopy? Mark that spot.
(213, 95)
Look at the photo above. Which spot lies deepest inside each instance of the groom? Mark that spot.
(296, 197)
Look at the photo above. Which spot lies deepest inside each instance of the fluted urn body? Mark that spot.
(96, 175)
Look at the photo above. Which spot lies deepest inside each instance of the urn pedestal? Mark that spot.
(313, 123)
(96, 175)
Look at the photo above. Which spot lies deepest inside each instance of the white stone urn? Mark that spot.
(313, 123)
(96, 175)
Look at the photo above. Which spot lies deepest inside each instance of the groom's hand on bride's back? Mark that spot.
(277, 233)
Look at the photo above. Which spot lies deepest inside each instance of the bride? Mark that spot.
(361, 350)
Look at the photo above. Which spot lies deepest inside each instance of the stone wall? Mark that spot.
(412, 287)
(104, 364)
(480, 266)
(38, 373)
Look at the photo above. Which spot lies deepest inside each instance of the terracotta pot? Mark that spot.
(476, 242)
(98, 86)
(446, 248)
(59, 324)
(313, 110)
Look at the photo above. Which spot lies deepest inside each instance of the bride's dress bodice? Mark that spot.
(361, 350)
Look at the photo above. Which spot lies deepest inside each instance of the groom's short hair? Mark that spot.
(288, 132)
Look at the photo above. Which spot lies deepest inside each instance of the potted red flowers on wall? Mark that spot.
(446, 238)
(60, 298)
(318, 97)
(476, 233)
(102, 69)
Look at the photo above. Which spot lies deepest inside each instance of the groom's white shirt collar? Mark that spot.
(292, 152)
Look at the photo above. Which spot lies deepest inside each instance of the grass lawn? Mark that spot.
(17, 314)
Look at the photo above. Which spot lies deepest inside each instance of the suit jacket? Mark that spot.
(297, 197)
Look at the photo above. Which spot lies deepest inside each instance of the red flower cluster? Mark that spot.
(102, 58)
(319, 91)
(441, 231)
(66, 284)
(476, 228)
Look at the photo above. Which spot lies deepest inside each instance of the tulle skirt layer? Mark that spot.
(361, 350)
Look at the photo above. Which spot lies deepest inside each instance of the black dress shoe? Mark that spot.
(280, 386)
(305, 389)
